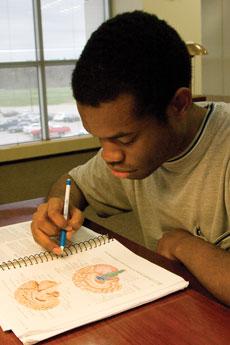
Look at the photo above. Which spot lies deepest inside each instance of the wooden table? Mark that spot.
(188, 317)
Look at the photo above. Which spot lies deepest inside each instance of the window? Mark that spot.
(40, 43)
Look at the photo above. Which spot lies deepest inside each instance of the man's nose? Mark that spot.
(111, 153)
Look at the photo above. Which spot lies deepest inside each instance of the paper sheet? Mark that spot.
(17, 240)
(85, 287)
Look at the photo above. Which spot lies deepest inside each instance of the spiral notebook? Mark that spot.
(43, 295)
(17, 240)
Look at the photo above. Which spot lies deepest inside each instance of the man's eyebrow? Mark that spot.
(119, 135)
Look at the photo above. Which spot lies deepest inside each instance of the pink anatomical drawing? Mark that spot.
(101, 278)
(36, 295)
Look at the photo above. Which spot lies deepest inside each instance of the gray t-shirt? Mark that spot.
(191, 191)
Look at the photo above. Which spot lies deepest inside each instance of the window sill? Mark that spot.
(47, 148)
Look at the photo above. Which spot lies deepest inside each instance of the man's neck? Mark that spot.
(194, 120)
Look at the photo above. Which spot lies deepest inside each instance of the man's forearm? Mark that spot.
(211, 265)
(77, 198)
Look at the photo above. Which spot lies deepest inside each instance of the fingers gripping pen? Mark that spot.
(65, 213)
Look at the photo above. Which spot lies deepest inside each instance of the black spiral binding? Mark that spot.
(48, 256)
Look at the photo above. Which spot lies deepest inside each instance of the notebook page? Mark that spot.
(17, 240)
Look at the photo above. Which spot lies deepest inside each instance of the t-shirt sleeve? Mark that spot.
(103, 191)
(224, 242)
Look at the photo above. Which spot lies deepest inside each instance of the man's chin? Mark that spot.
(138, 175)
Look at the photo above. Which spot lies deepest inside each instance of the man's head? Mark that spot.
(131, 85)
(134, 53)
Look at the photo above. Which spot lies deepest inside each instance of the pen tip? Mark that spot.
(62, 248)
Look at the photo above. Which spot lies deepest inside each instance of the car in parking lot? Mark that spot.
(15, 129)
(6, 123)
(28, 128)
(54, 131)
(18, 126)
(66, 117)
(10, 113)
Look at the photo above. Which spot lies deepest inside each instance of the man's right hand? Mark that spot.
(48, 220)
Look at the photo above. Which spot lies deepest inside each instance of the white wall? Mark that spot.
(119, 6)
(215, 34)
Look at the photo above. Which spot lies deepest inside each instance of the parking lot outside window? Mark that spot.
(41, 41)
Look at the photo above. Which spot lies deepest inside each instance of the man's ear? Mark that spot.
(180, 103)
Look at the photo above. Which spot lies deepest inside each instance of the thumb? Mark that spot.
(76, 219)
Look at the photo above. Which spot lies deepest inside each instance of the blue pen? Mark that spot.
(65, 213)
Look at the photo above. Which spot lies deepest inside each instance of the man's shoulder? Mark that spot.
(218, 107)
(218, 121)
(222, 118)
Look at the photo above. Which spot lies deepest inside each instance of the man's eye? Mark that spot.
(126, 141)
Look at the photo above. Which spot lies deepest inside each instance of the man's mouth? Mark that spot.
(122, 173)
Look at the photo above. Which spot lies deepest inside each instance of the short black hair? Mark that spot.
(135, 53)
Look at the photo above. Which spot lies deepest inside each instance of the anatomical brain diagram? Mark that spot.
(36, 295)
(101, 278)
(44, 294)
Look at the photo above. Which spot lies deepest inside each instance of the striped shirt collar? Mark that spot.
(198, 135)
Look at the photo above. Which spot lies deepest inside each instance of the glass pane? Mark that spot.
(19, 110)
(67, 25)
(16, 31)
(64, 119)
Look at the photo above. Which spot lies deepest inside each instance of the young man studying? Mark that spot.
(163, 157)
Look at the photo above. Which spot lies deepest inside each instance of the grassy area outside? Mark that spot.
(24, 97)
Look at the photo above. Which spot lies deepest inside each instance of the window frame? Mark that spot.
(46, 146)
